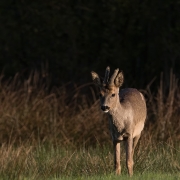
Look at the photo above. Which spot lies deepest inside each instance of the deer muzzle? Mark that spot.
(105, 108)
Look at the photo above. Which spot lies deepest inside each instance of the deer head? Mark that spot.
(109, 88)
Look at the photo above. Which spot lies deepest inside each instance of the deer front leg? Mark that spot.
(129, 157)
(117, 157)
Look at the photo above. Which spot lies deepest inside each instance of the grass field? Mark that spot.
(60, 133)
(147, 176)
(159, 161)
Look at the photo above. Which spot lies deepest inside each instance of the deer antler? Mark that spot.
(106, 77)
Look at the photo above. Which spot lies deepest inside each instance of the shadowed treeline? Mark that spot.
(74, 37)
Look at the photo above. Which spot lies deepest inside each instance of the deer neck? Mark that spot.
(117, 108)
(116, 116)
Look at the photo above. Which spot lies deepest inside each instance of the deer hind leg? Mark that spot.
(117, 157)
(135, 141)
(129, 157)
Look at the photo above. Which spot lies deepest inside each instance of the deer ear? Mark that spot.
(95, 78)
(119, 80)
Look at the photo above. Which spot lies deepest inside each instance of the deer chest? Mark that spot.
(117, 129)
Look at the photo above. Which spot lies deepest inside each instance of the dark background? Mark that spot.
(69, 38)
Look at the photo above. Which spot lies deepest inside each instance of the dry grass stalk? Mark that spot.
(32, 111)
(163, 108)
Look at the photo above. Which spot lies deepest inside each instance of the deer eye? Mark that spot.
(113, 95)
(100, 95)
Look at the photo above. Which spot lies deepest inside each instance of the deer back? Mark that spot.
(135, 99)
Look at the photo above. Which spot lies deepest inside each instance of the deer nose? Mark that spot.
(104, 108)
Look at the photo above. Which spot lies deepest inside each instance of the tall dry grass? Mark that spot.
(33, 111)
(41, 127)
(163, 120)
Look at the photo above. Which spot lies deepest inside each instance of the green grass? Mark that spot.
(147, 176)
(159, 161)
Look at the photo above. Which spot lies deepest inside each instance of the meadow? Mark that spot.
(60, 132)
(154, 161)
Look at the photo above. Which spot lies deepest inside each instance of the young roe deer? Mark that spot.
(127, 114)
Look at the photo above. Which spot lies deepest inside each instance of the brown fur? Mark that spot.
(127, 114)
